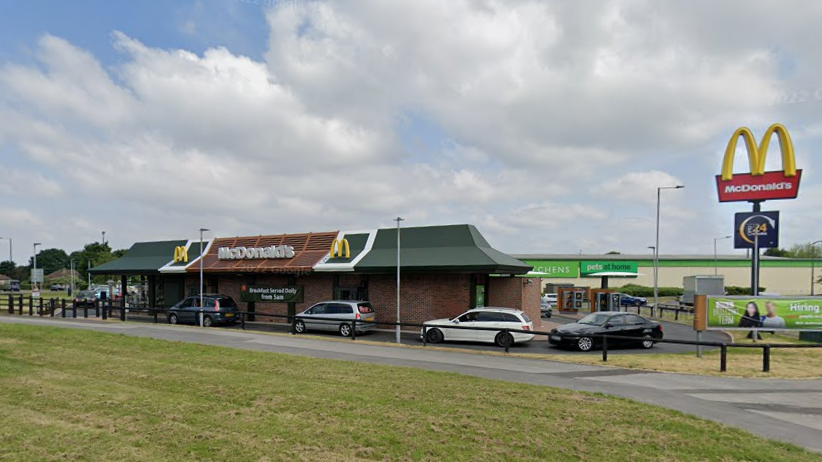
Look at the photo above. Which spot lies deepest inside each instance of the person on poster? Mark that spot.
(751, 318)
(771, 320)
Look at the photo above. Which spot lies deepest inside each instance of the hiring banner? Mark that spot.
(766, 313)
(269, 294)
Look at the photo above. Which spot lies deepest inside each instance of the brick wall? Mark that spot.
(516, 293)
(424, 296)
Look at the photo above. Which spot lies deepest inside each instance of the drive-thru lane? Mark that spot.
(778, 409)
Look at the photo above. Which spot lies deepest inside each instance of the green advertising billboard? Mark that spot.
(268, 294)
(765, 313)
(591, 268)
(553, 268)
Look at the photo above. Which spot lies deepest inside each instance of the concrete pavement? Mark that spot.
(785, 410)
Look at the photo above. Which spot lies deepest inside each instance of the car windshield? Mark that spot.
(594, 319)
(85, 294)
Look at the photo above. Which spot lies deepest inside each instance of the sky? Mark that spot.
(547, 124)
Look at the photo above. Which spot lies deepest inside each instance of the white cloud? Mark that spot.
(542, 122)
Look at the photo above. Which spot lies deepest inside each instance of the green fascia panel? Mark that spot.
(729, 263)
(356, 243)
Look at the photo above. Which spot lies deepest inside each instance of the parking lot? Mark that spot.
(672, 330)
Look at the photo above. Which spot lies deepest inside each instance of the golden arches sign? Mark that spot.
(338, 246)
(758, 154)
(180, 254)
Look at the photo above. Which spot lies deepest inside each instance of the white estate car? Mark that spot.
(443, 330)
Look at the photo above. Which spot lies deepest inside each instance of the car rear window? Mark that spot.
(525, 317)
(227, 302)
(365, 308)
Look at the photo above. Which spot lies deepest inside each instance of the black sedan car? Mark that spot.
(585, 333)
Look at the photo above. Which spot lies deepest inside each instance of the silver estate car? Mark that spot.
(337, 316)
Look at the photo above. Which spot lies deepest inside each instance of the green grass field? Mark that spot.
(76, 395)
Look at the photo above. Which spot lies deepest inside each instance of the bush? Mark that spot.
(736, 290)
(645, 291)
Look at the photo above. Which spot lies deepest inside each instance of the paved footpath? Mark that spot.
(785, 410)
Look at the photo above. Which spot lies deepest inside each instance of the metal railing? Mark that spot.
(107, 308)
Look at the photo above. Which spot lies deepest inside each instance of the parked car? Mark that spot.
(549, 298)
(546, 309)
(337, 316)
(441, 330)
(217, 309)
(12, 286)
(630, 300)
(85, 298)
(582, 334)
(57, 287)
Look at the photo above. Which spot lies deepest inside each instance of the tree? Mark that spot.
(51, 260)
(777, 252)
(614, 252)
(7, 267)
(806, 250)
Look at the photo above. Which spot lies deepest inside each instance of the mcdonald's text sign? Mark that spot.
(759, 185)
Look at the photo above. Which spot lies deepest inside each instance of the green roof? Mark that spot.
(141, 258)
(449, 248)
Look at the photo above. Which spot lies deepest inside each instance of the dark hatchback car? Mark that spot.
(85, 298)
(583, 333)
(217, 309)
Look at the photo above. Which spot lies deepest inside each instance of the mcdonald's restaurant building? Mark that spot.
(444, 270)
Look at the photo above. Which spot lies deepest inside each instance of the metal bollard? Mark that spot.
(155, 316)
(242, 321)
(424, 335)
(723, 358)
(605, 348)
(40, 307)
(105, 313)
(766, 358)
(63, 308)
(293, 325)
(31, 306)
(201, 318)
(74, 310)
(354, 329)
(508, 336)
(85, 311)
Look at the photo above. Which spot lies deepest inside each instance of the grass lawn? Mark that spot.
(77, 395)
(742, 362)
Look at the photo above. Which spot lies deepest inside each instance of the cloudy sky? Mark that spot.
(548, 124)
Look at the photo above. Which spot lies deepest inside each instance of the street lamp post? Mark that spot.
(716, 260)
(813, 267)
(72, 276)
(398, 220)
(656, 249)
(11, 257)
(202, 230)
(34, 263)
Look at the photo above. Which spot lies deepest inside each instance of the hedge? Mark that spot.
(645, 291)
(736, 290)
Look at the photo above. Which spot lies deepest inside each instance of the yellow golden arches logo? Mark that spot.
(338, 246)
(180, 254)
(757, 154)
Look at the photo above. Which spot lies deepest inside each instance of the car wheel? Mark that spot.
(648, 342)
(504, 340)
(434, 336)
(585, 344)
(299, 327)
(172, 319)
(345, 330)
(207, 321)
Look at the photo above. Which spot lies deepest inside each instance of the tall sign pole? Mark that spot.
(758, 185)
